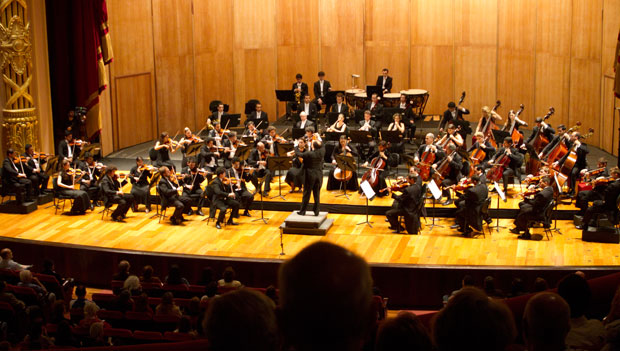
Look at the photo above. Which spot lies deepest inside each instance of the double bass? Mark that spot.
(489, 125)
(540, 140)
(571, 159)
(560, 149)
(517, 138)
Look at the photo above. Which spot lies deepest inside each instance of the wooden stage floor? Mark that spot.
(441, 246)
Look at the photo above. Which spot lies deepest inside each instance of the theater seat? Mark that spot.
(147, 336)
(172, 336)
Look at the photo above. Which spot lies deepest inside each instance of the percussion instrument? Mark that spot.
(391, 99)
(349, 95)
(417, 98)
(361, 99)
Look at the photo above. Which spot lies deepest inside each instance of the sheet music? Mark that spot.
(367, 189)
(432, 186)
(500, 192)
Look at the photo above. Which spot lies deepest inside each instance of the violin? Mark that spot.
(532, 180)
(216, 148)
(39, 155)
(78, 142)
(531, 192)
(398, 186)
(74, 171)
(229, 181)
(119, 176)
(19, 159)
(593, 173)
(201, 171)
(602, 181)
(147, 168)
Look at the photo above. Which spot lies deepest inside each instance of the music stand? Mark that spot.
(193, 149)
(332, 136)
(500, 194)
(499, 136)
(374, 89)
(358, 115)
(345, 163)
(232, 120)
(360, 137)
(298, 133)
(262, 216)
(93, 149)
(392, 136)
(555, 210)
(369, 193)
(295, 118)
(284, 148)
(285, 95)
(249, 140)
(279, 163)
(51, 166)
(330, 97)
(243, 152)
(436, 193)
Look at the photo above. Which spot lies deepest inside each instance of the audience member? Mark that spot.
(27, 280)
(147, 276)
(272, 293)
(90, 316)
(206, 276)
(124, 302)
(80, 301)
(404, 332)
(141, 304)
(193, 308)
(517, 288)
(64, 337)
(167, 306)
(210, 291)
(584, 333)
(490, 290)
(546, 322)
(7, 261)
(325, 299)
(540, 285)
(242, 320)
(228, 279)
(18, 305)
(185, 326)
(37, 338)
(174, 276)
(96, 336)
(132, 284)
(473, 321)
(612, 325)
(123, 271)
(50, 269)
(58, 312)
(467, 280)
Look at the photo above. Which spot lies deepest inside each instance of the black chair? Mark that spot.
(211, 204)
(60, 197)
(107, 204)
(420, 210)
(6, 190)
(543, 219)
(482, 213)
(163, 205)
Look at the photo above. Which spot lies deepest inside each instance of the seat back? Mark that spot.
(153, 154)
(6, 312)
(162, 199)
(485, 206)
(26, 294)
(548, 211)
(165, 323)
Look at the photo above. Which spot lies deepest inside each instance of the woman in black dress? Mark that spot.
(67, 178)
(164, 147)
(140, 185)
(295, 175)
(342, 149)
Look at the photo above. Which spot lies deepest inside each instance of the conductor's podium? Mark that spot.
(306, 225)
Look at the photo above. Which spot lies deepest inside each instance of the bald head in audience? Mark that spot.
(326, 299)
(546, 322)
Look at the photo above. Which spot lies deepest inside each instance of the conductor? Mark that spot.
(313, 169)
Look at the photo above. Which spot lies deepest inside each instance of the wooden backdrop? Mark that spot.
(173, 57)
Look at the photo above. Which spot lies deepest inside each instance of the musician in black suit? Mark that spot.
(217, 114)
(581, 163)
(140, 186)
(308, 107)
(242, 176)
(209, 155)
(65, 151)
(406, 205)
(368, 125)
(16, 179)
(192, 179)
(486, 147)
(516, 160)
(560, 136)
(533, 208)
(430, 146)
(408, 117)
(218, 134)
(542, 127)
(468, 206)
(252, 131)
(340, 106)
(303, 121)
(384, 81)
(93, 171)
(224, 198)
(259, 116)
(343, 149)
(300, 88)
(454, 115)
(375, 108)
(608, 203)
(456, 164)
(313, 173)
(113, 194)
(168, 187)
(34, 171)
(321, 87)
(258, 160)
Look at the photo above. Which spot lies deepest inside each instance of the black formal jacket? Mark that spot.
(377, 111)
(439, 155)
(455, 165)
(317, 89)
(309, 123)
(166, 190)
(110, 187)
(582, 151)
(547, 132)
(219, 190)
(447, 118)
(489, 151)
(516, 158)
(476, 195)
(541, 200)
(215, 118)
(192, 180)
(304, 89)
(388, 83)
(256, 120)
(344, 108)
(313, 160)
(611, 195)
(255, 157)
(8, 172)
(143, 177)
(409, 199)
(63, 150)
(373, 126)
(30, 166)
(312, 109)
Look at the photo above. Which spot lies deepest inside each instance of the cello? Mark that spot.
(476, 156)
(443, 169)
(377, 165)
(343, 175)
(560, 149)
(496, 172)
(571, 159)
(540, 140)
(425, 163)
(489, 125)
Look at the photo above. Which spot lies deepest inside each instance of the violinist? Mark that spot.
(382, 152)
(532, 208)
(14, 177)
(598, 188)
(540, 127)
(368, 125)
(452, 177)
(140, 186)
(192, 179)
(188, 139)
(217, 114)
(561, 136)
(313, 175)
(223, 198)
(168, 189)
(310, 137)
(218, 134)
(300, 89)
(406, 205)
(90, 181)
(344, 149)
(258, 116)
(66, 151)
(468, 207)
(309, 108)
(295, 175)
(399, 126)
(340, 126)
(271, 140)
(164, 147)
(453, 115)
(113, 194)
(609, 202)
(66, 180)
(258, 161)
(484, 145)
(486, 114)
(580, 164)
(240, 175)
(340, 107)
(231, 144)
(251, 131)
(33, 169)
(408, 118)
(516, 160)
(209, 155)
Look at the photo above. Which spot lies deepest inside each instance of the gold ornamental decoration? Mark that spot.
(19, 121)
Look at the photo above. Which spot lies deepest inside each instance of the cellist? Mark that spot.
(382, 152)
(561, 136)
(451, 137)
(485, 146)
(516, 160)
(540, 127)
(456, 164)
(580, 163)
(486, 113)
(426, 155)
(343, 149)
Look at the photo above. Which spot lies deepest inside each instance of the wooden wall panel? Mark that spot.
(341, 28)
(476, 53)
(608, 138)
(297, 31)
(609, 121)
(585, 79)
(213, 55)
(174, 64)
(134, 105)
(516, 65)
(432, 52)
(553, 34)
(386, 41)
(254, 63)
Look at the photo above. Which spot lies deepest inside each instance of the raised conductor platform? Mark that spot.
(308, 224)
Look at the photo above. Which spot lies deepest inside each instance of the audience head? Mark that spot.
(132, 283)
(48, 265)
(325, 298)
(90, 310)
(576, 291)
(517, 287)
(489, 285)
(241, 320)
(124, 266)
(546, 322)
(142, 304)
(80, 291)
(96, 331)
(6, 254)
(228, 275)
(467, 280)
(211, 289)
(404, 332)
(472, 321)
(207, 272)
(25, 276)
(167, 298)
(147, 272)
(2, 286)
(124, 296)
(540, 285)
